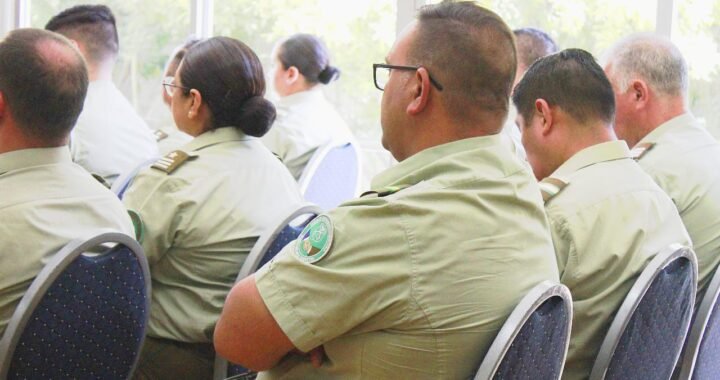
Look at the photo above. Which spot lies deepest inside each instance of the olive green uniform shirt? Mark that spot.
(417, 283)
(201, 221)
(607, 223)
(46, 201)
(685, 162)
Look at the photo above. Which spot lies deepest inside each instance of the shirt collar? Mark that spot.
(25, 158)
(314, 93)
(675, 123)
(413, 169)
(215, 136)
(603, 152)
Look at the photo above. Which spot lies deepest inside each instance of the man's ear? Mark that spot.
(420, 88)
(639, 92)
(543, 110)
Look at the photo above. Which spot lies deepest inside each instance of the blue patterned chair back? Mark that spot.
(647, 334)
(332, 176)
(702, 349)
(84, 316)
(268, 245)
(533, 341)
(123, 181)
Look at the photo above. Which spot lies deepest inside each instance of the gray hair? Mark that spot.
(653, 59)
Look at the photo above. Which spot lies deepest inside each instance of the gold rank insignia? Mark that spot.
(160, 135)
(639, 150)
(550, 187)
(172, 161)
(315, 240)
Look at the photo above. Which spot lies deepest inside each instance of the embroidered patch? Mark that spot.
(315, 240)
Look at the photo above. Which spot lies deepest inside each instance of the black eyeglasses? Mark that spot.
(170, 86)
(382, 76)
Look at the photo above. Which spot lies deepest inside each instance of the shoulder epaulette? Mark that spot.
(100, 179)
(639, 150)
(172, 161)
(385, 191)
(550, 187)
(160, 135)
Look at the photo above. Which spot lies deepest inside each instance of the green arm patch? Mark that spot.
(315, 240)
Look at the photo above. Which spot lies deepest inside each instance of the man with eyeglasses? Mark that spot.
(109, 138)
(416, 277)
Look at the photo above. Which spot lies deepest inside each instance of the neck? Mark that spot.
(298, 86)
(100, 71)
(579, 137)
(664, 109)
(12, 140)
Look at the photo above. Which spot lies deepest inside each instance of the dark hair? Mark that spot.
(471, 51)
(91, 25)
(180, 52)
(230, 78)
(533, 44)
(310, 56)
(44, 80)
(571, 80)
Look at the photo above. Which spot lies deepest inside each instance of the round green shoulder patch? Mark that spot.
(315, 240)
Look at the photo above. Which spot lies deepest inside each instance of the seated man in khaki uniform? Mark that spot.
(650, 80)
(45, 200)
(416, 277)
(608, 217)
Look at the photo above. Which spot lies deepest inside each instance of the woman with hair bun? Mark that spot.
(306, 120)
(204, 206)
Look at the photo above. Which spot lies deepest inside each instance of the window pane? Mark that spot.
(592, 25)
(358, 33)
(148, 31)
(697, 34)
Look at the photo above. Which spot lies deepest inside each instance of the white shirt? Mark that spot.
(511, 132)
(109, 137)
(46, 201)
(305, 121)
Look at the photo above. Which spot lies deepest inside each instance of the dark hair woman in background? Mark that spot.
(205, 205)
(306, 121)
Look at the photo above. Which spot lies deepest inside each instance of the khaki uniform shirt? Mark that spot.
(607, 223)
(417, 283)
(685, 162)
(109, 137)
(46, 201)
(201, 221)
(305, 122)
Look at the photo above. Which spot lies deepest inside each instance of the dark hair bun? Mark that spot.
(256, 116)
(328, 74)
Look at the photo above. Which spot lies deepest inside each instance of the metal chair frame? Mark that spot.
(632, 301)
(46, 278)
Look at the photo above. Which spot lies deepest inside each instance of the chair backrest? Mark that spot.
(702, 348)
(268, 245)
(647, 334)
(533, 341)
(124, 180)
(84, 315)
(332, 175)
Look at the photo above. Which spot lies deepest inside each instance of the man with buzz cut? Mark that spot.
(650, 81)
(608, 218)
(110, 138)
(415, 278)
(532, 44)
(46, 200)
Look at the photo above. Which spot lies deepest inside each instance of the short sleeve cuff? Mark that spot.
(276, 300)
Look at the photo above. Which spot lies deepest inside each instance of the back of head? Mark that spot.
(471, 52)
(652, 58)
(91, 25)
(229, 76)
(571, 80)
(177, 56)
(310, 56)
(43, 80)
(533, 44)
